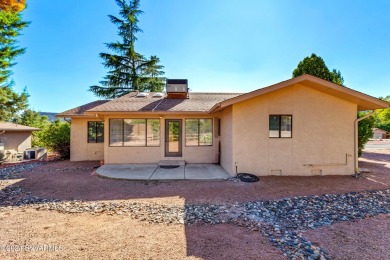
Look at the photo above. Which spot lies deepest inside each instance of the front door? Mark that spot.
(173, 138)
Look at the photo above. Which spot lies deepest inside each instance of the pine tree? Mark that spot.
(10, 26)
(128, 70)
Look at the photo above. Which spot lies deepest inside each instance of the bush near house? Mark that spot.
(382, 117)
(365, 131)
(56, 138)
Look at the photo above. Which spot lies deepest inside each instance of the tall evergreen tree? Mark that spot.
(128, 70)
(315, 66)
(11, 24)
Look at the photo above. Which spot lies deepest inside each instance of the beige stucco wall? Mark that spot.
(323, 134)
(191, 154)
(19, 141)
(226, 139)
(80, 149)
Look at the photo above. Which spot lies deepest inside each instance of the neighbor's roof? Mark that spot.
(79, 111)
(4, 126)
(379, 130)
(363, 101)
(197, 102)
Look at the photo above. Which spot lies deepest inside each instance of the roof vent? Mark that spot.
(158, 95)
(177, 88)
(142, 94)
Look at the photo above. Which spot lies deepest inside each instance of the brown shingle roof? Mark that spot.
(4, 126)
(79, 111)
(197, 102)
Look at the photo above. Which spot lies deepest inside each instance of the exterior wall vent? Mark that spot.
(142, 94)
(177, 88)
(316, 172)
(276, 172)
(158, 95)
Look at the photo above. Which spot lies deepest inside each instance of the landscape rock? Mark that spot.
(283, 221)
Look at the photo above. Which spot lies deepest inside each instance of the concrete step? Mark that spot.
(172, 163)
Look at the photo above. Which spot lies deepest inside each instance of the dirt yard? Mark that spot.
(91, 236)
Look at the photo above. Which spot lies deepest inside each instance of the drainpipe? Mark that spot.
(356, 137)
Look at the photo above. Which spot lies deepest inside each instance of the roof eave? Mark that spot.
(21, 130)
(144, 112)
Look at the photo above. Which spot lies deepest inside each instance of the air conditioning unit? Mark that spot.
(35, 153)
(177, 88)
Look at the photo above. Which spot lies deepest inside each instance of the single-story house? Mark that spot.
(301, 126)
(15, 138)
(379, 133)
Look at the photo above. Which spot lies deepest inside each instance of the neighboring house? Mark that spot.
(301, 126)
(15, 138)
(379, 133)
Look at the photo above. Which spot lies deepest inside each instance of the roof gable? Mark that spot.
(363, 101)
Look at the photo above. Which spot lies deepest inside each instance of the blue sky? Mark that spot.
(218, 45)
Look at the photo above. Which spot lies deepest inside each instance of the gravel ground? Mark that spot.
(65, 181)
(258, 211)
(280, 220)
(361, 239)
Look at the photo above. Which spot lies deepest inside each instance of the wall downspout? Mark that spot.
(356, 137)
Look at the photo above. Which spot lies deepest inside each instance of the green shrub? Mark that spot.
(56, 138)
(364, 131)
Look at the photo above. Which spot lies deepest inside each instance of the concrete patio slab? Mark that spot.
(169, 174)
(205, 172)
(154, 172)
(127, 171)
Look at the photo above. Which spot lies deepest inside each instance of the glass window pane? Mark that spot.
(205, 132)
(91, 132)
(192, 132)
(153, 138)
(134, 132)
(274, 126)
(286, 126)
(116, 131)
(99, 132)
(173, 137)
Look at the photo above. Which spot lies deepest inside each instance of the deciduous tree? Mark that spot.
(13, 5)
(364, 131)
(382, 117)
(56, 138)
(315, 66)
